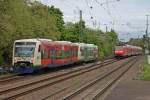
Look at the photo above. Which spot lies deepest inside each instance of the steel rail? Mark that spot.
(72, 74)
(78, 91)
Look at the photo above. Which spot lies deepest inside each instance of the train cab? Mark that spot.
(119, 51)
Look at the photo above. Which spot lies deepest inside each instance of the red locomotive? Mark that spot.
(127, 50)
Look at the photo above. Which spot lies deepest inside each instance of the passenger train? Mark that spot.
(127, 50)
(32, 54)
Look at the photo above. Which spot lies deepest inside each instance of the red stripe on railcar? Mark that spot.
(57, 61)
(45, 61)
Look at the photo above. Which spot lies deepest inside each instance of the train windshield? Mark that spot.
(118, 48)
(24, 49)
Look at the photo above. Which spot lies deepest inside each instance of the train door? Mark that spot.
(72, 48)
(52, 55)
(71, 53)
(85, 53)
(37, 61)
(37, 55)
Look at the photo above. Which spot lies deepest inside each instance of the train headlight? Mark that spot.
(32, 60)
(15, 60)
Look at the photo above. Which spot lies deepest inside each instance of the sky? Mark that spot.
(126, 17)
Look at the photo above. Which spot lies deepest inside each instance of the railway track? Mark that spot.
(8, 77)
(14, 77)
(61, 87)
(11, 79)
(22, 89)
(100, 84)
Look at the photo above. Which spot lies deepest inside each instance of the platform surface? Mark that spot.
(129, 88)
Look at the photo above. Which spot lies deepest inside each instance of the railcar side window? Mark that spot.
(59, 54)
(39, 49)
(91, 52)
(75, 53)
(88, 53)
(67, 53)
(72, 52)
(82, 51)
(44, 53)
(51, 53)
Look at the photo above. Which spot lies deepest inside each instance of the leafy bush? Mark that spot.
(146, 71)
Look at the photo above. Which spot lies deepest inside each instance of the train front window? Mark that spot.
(118, 48)
(24, 49)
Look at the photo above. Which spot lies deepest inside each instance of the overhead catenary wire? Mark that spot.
(107, 5)
(89, 9)
(107, 9)
(92, 16)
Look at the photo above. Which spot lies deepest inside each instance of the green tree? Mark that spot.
(27, 19)
(105, 42)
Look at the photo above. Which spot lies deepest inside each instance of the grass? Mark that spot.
(145, 75)
(5, 75)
